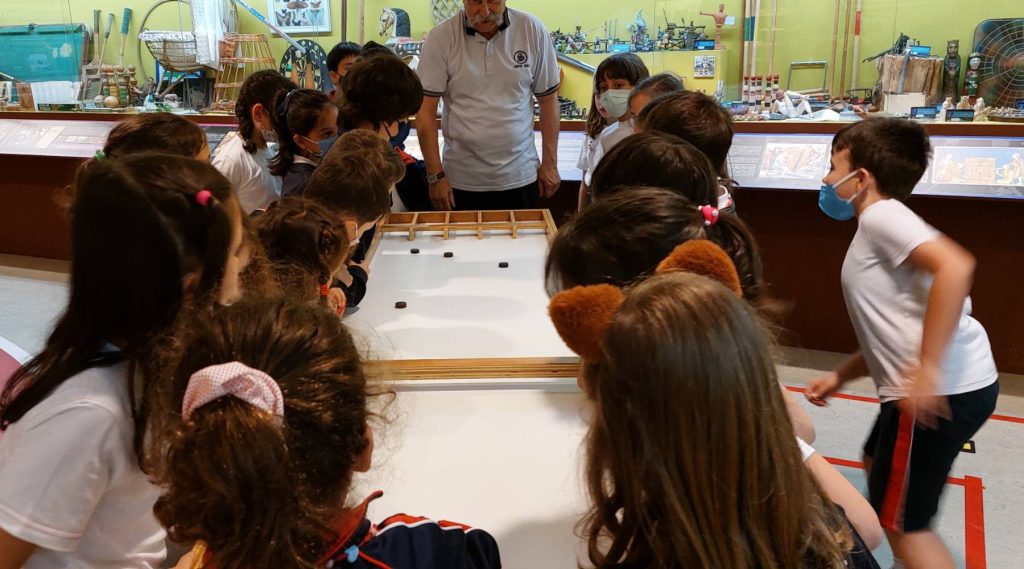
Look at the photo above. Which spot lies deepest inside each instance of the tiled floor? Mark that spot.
(980, 513)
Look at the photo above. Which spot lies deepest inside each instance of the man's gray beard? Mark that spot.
(491, 19)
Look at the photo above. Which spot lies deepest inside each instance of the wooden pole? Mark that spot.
(832, 60)
(846, 43)
(856, 48)
(344, 20)
(753, 48)
(771, 49)
(748, 32)
(362, 22)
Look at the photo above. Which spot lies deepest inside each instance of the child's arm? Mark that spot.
(13, 551)
(858, 511)
(953, 269)
(803, 426)
(584, 198)
(821, 388)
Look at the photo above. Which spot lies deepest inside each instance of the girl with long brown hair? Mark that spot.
(691, 460)
(272, 399)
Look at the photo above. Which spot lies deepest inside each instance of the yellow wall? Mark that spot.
(803, 27)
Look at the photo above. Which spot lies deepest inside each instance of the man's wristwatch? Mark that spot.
(435, 178)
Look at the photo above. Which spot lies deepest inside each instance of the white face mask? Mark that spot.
(616, 102)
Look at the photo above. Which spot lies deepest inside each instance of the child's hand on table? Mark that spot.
(336, 300)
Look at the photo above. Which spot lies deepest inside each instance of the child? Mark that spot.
(380, 95)
(306, 125)
(691, 460)
(651, 88)
(623, 237)
(157, 132)
(307, 246)
(243, 158)
(614, 79)
(597, 120)
(701, 121)
(658, 160)
(274, 426)
(153, 236)
(339, 60)
(906, 287)
(355, 181)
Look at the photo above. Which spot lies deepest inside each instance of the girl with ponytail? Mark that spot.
(272, 398)
(153, 237)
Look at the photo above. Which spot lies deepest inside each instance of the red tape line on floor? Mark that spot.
(863, 399)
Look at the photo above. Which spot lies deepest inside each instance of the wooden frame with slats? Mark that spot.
(448, 224)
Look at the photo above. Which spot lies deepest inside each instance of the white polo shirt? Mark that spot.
(488, 88)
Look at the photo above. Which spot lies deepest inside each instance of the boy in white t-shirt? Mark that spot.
(906, 287)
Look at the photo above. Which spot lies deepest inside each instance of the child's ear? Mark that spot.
(581, 316)
(365, 460)
(190, 284)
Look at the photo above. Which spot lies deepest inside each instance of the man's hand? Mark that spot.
(441, 195)
(821, 388)
(922, 401)
(548, 180)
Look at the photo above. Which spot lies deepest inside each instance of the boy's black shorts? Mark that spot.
(910, 463)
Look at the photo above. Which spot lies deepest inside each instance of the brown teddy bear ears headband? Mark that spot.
(582, 314)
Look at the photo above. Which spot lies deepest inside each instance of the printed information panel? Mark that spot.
(961, 166)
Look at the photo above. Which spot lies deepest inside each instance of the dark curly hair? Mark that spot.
(295, 112)
(379, 89)
(260, 88)
(259, 490)
(305, 243)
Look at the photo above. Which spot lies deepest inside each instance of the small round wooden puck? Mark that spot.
(448, 254)
(503, 265)
(400, 304)
(414, 251)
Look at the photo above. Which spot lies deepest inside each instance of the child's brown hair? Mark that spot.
(155, 132)
(260, 88)
(691, 457)
(695, 118)
(626, 66)
(379, 89)
(305, 244)
(660, 160)
(621, 238)
(895, 151)
(259, 490)
(356, 176)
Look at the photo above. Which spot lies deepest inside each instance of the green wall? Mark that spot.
(803, 27)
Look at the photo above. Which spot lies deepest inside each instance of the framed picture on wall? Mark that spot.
(704, 67)
(301, 16)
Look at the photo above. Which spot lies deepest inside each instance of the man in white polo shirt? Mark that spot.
(488, 62)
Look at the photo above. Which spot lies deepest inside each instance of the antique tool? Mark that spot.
(856, 47)
(897, 48)
(270, 25)
(846, 43)
(91, 70)
(126, 20)
(106, 35)
(832, 59)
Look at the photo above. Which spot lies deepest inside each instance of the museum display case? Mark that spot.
(792, 72)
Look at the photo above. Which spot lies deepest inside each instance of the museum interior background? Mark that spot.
(803, 250)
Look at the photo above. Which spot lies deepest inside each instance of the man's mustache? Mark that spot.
(494, 18)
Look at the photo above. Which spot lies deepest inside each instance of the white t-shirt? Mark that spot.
(887, 298)
(249, 174)
(70, 483)
(586, 153)
(610, 136)
(806, 450)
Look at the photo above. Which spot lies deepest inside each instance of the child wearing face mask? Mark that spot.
(306, 124)
(906, 287)
(615, 78)
(243, 156)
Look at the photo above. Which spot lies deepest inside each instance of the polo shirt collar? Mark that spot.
(470, 31)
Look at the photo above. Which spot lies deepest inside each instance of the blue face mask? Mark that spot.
(834, 206)
(324, 145)
(398, 140)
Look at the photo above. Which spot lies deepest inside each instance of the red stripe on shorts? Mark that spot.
(896, 489)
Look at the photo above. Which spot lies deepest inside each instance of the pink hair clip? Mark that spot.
(710, 214)
(203, 197)
(236, 379)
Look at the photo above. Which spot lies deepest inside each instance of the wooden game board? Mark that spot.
(521, 235)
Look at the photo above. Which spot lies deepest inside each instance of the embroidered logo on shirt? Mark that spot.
(521, 59)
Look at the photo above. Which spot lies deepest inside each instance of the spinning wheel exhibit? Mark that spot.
(1001, 45)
